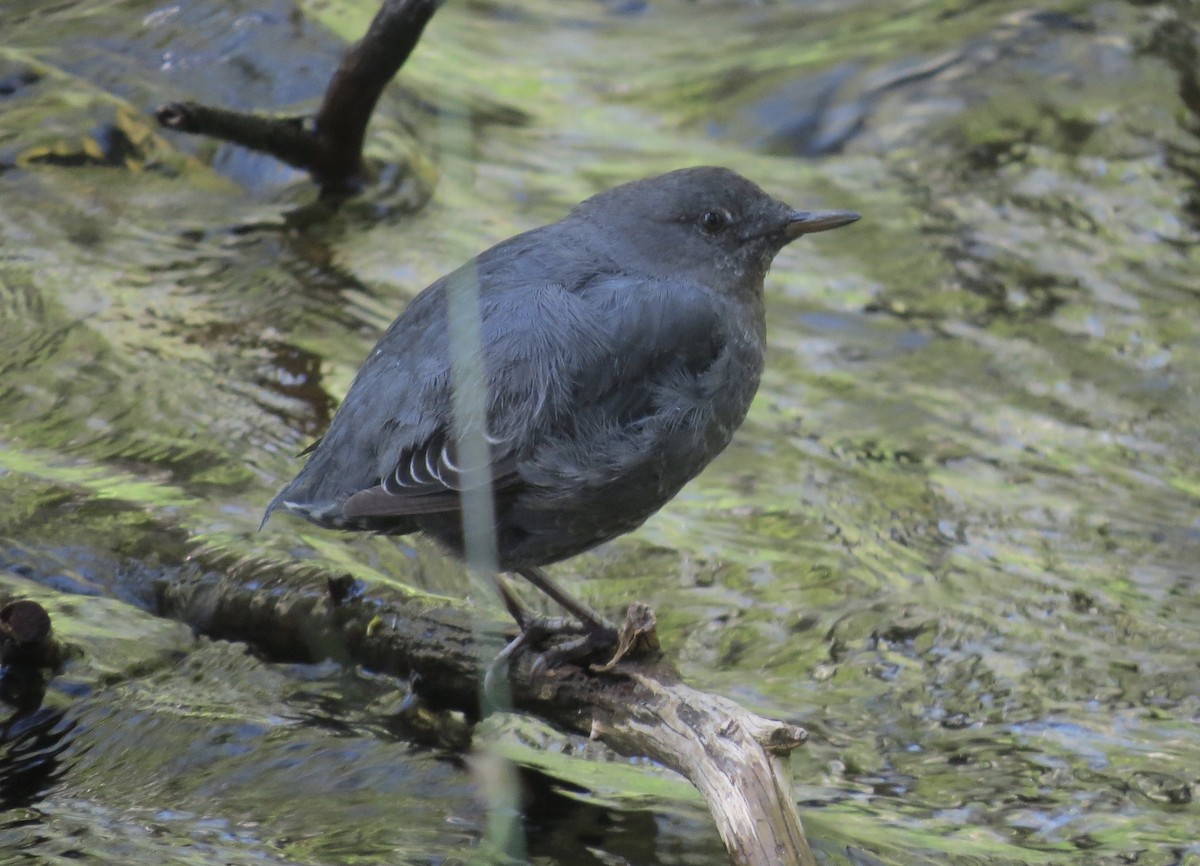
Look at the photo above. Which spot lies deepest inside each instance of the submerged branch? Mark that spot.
(638, 706)
(329, 147)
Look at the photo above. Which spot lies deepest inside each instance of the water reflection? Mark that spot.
(956, 538)
(31, 739)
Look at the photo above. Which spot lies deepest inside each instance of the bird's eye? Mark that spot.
(712, 221)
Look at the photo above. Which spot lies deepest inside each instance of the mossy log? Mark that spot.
(637, 705)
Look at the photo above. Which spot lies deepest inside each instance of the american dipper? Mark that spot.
(622, 346)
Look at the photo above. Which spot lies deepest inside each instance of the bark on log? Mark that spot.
(637, 705)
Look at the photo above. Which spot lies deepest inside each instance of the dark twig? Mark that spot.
(288, 138)
(366, 69)
(330, 146)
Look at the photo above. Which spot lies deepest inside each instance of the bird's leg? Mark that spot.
(515, 607)
(598, 630)
(528, 634)
(588, 632)
(534, 628)
(527, 620)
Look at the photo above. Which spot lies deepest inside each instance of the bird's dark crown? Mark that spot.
(702, 223)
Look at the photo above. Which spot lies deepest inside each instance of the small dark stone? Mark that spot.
(24, 622)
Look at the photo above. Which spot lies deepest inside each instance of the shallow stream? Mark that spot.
(958, 537)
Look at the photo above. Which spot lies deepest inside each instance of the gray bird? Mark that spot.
(621, 346)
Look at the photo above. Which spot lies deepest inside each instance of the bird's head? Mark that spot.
(705, 223)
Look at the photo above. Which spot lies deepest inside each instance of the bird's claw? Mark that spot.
(583, 641)
(578, 649)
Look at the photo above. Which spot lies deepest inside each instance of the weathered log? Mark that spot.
(637, 705)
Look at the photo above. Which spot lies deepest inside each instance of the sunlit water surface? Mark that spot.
(957, 537)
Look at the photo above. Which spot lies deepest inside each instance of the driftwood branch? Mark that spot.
(329, 146)
(637, 705)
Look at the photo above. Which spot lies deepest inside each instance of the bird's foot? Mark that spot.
(588, 632)
(576, 642)
(590, 620)
(590, 641)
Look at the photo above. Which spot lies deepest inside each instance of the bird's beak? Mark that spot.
(805, 222)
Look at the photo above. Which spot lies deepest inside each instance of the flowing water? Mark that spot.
(958, 537)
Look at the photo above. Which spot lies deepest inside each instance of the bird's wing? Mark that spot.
(603, 348)
(427, 479)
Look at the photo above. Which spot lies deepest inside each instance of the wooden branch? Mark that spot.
(288, 139)
(637, 705)
(738, 761)
(366, 69)
(329, 147)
